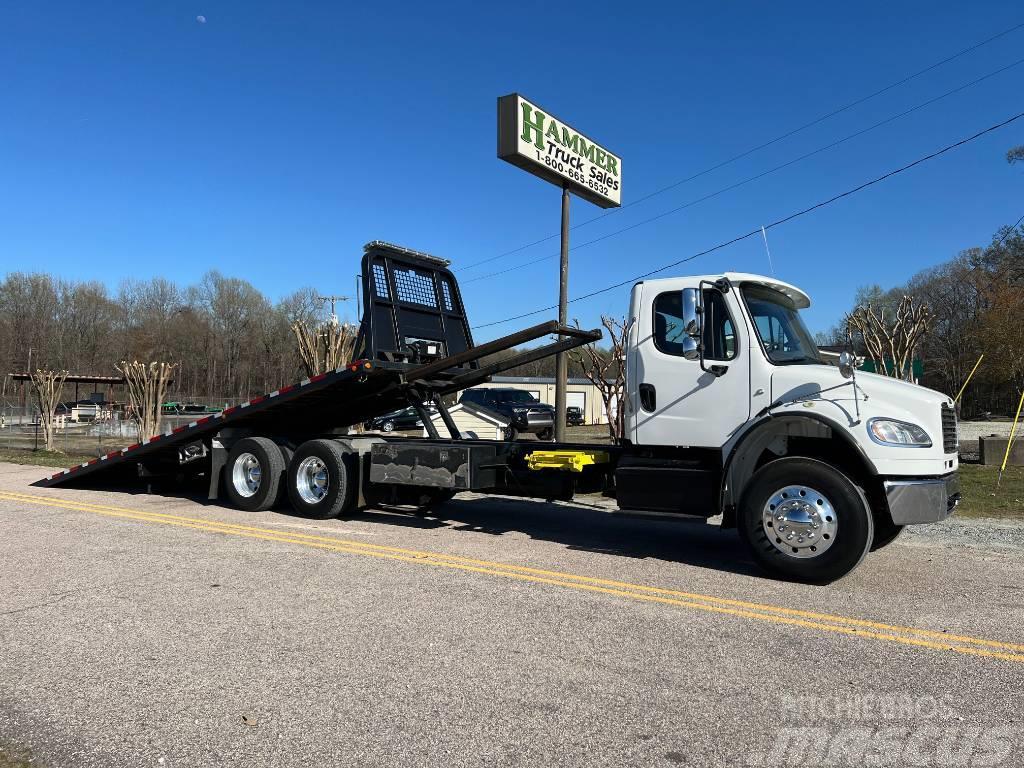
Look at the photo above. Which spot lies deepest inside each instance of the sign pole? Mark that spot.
(533, 139)
(562, 359)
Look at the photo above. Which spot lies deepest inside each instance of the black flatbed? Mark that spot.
(414, 346)
(333, 398)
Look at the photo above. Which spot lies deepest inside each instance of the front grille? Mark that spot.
(539, 417)
(950, 443)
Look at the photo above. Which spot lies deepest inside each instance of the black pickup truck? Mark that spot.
(526, 414)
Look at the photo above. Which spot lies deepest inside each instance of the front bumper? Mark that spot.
(534, 421)
(925, 500)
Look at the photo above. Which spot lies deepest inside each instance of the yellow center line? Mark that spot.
(770, 613)
(419, 554)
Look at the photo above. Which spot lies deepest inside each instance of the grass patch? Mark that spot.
(43, 459)
(981, 498)
(588, 433)
(17, 758)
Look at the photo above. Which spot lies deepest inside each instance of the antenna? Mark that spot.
(764, 236)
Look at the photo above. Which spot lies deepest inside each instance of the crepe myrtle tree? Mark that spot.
(46, 389)
(891, 336)
(147, 386)
(324, 347)
(606, 370)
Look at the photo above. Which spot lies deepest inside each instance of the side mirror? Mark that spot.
(692, 313)
(691, 348)
(847, 363)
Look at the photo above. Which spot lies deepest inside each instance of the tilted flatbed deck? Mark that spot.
(328, 398)
(414, 347)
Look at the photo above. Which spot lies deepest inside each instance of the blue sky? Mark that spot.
(273, 140)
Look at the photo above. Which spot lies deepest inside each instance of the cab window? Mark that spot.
(719, 331)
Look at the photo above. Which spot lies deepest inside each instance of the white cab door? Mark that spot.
(690, 407)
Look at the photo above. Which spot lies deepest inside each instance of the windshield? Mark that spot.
(783, 334)
(516, 396)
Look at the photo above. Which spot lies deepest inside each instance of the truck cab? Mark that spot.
(816, 464)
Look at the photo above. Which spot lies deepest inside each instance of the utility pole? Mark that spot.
(562, 359)
(333, 299)
(24, 386)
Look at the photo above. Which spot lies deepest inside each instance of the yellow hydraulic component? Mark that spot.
(573, 461)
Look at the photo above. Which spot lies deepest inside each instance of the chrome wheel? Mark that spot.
(799, 521)
(246, 475)
(312, 480)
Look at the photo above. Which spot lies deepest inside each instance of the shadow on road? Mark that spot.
(586, 528)
(581, 526)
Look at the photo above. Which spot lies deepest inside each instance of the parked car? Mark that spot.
(574, 416)
(406, 418)
(525, 413)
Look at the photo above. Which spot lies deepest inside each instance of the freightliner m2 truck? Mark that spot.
(730, 415)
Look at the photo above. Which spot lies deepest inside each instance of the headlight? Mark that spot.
(893, 432)
(520, 410)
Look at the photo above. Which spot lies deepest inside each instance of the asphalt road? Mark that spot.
(143, 630)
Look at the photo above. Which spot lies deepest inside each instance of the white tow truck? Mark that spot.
(731, 416)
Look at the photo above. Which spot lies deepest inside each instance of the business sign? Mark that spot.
(530, 138)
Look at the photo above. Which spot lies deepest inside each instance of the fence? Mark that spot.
(20, 430)
(111, 430)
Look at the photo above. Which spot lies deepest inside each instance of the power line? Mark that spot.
(776, 223)
(761, 175)
(759, 147)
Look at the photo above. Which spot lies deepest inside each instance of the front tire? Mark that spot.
(253, 473)
(805, 521)
(322, 480)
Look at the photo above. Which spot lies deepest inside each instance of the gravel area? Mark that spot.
(977, 532)
(970, 431)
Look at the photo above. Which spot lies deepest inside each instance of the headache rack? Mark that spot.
(414, 346)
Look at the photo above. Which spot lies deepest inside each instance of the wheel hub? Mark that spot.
(312, 480)
(246, 475)
(800, 521)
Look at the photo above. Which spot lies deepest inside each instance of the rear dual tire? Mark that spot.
(254, 473)
(322, 480)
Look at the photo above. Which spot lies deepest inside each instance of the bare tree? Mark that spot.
(46, 389)
(147, 386)
(606, 370)
(894, 340)
(323, 348)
